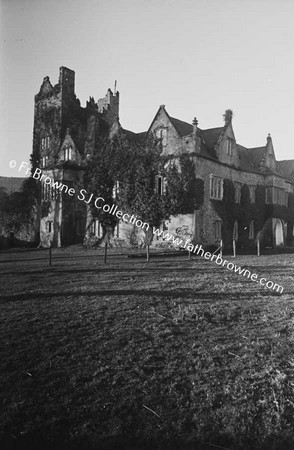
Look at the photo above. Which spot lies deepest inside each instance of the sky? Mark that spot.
(197, 57)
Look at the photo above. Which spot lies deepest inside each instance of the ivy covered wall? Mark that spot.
(245, 212)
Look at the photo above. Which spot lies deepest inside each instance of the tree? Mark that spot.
(136, 167)
(100, 179)
(137, 190)
(139, 194)
(16, 210)
(185, 192)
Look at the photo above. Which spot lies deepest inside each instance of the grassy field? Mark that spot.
(133, 355)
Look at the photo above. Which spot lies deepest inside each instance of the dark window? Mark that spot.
(160, 184)
(159, 188)
(49, 226)
(96, 228)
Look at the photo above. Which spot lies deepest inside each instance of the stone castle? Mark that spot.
(247, 192)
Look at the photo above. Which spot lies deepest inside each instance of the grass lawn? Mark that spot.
(134, 355)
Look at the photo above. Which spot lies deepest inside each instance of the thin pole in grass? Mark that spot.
(234, 248)
(189, 242)
(105, 252)
(258, 247)
(50, 255)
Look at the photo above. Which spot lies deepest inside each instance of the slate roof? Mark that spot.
(183, 128)
(134, 137)
(245, 161)
(256, 155)
(80, 144)
(142, 135)
(211, 136)
(286, 167)
(250, 159)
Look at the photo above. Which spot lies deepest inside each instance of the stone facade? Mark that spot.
(247, 193)
(64, 138)
(215, 153)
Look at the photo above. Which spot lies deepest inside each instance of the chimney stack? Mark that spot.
(195, 123)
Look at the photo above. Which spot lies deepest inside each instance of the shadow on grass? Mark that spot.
(106, 269)
(183, 293)
(36, 441)
(65, 257)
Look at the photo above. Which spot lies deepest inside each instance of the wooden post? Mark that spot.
(189, 253)
(50, 255)
(234, 248)
(221, 248)
(105, 251)
(147, 252)
(258, 247)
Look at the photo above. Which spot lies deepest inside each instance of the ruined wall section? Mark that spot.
(47, 122)
(108, 107)
(57, 110)
(93, 127)
(73, 116)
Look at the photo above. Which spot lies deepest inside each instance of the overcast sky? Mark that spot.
(198, 57)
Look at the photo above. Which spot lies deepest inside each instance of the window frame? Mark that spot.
(115, 190)
(229, 146)
(161, 133)
(275, 195)
(44, 161)
(160, 192)
(216, 188)
(68, 154)
(96, 228)
(252, 193)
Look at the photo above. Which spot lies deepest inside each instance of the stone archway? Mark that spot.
(279, 233)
